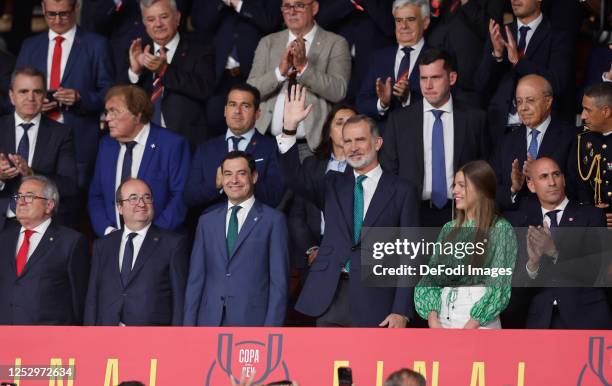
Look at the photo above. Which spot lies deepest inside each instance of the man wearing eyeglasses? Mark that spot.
(32, 143)
(138, 148)
(79, 72)
(43, 266)
(152, 263)
(303, 53)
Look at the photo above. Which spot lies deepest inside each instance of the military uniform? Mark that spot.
(590, 169)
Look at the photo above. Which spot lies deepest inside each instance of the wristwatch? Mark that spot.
(289, 132)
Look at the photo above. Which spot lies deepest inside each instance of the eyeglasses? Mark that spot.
(530, 101)
(297, 7)
(27, 198)
(113, 113)
(134, 199)
(62, 15)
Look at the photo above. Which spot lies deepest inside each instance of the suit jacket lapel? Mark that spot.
(149, 245)
(219, 230)
(149, 152)
(73, 56)
(315, 45)
(538, 36)
(345, 186)
(8, 135)
(417, 140)
(113, 259)
(460, 131)
(569, 215)
(12, 248)
(45, 246)
(548, 142)
(382, 196)
(110, 172)
(253, 217)
(519, 142)
(42, 140)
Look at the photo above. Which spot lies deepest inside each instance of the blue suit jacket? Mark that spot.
(394, 204)
(382, 65)
(251, 283)
(155, 290)
(89, 70)
(164, 167)
(201, 189)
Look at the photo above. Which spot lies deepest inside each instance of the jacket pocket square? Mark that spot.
(259, 159)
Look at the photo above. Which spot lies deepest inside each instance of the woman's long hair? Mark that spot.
(325, 148)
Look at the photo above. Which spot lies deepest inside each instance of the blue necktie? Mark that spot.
(357, 214)
(404, 66)
(522, 39)
(439, 194)
(128, 259)
(23, 150)
(126, 169)
(235, 142)
(232, 229)
(533, 144)
(552, 216)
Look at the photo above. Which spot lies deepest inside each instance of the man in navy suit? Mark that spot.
(540, 135)
(362, 196)
(44, 266)
(136, 148)
(240, 258)
(78, 68)
(531, 46)
(177, 71)
(556, 255)
(139, 273)
(31, 143)
(393, 78)
(205, 182)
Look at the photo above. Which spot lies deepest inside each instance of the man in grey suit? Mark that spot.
(309, 55)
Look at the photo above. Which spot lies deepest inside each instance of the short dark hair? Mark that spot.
(433, 54)
(364, 118)
(119, 197)
(28, 71)
(395, 378)
(246, 88)
(325, 148)
(240, 154)
(601, 92)
(131, 383)
(136, 99)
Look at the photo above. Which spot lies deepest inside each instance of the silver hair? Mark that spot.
(422, 4)
(50, 191)
(147, 3)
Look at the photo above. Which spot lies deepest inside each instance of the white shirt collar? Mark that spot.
(541, 127)
(560, 207)
(40, 228)
(19, 120)
(417, 47)
(447, 107)
(68, 35)
(309, 37)
(141, 137)
(171, 46)
(142, 232)
(533, 25)
(373, 175)
(247, 136)
(246, 204)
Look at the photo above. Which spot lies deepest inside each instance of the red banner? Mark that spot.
(104, 356)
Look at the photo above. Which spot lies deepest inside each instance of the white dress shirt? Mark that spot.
(449, 138)
(416, 51)
(66, 47)
(136, 241)
(39, 232)
(242, 213)
(242, 145)
(369, 186)
(279, 107)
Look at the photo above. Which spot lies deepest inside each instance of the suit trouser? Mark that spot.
(339, 312)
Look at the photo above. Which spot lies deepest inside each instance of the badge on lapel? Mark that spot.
(153, 146)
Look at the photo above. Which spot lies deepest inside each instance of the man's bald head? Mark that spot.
(547, 181)
(534, 97)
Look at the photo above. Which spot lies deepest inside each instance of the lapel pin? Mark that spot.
(156, 239)
(571, 219)
(50, 238)
(255, 219)
(153, 146)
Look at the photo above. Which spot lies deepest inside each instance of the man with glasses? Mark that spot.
(31, 143)
(137, 148)
(78, 67)
(43, 266)
(303, 53)
(152, 263)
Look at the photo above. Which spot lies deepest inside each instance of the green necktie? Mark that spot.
(232, 229)
(357, 214)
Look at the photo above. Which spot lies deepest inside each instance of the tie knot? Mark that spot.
(130, 145)
(407, 50)
(28, 233)
(162, 49)
(534, 133)
(552, 215)
(437, 113)
(360, 179)
(235, 141)
(235, 209)
(524, 29)
(59, 39)
(26, 126)
(132, 235)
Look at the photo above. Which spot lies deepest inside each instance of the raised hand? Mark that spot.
(496, 39)
(295, 107)
(383, 90)
(513, 54)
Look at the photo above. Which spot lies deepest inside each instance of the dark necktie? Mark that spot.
(23, 150)
(533, 144)
(235, 141)
(439, 195)
(158, 91)
(404, 68)
(552, 216)
(522, 40)
(126, 169)
(128, 259)
(357, 214)
(232, 229)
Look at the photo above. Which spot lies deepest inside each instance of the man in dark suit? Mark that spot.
(205, 183)
(137, 148)
(78, 68)
(31, 143)
(235, 27)
(240, 261)
(178, 72)
(532, 47)
(428, 141)
(45, 266)
(556, 256)
(540, 135)
(392, 81)
(139, 273)
(362, 196)
(367, 25)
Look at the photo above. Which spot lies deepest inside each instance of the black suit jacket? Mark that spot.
(580, 307)
(155, 292)
(402, 151)
(548, 54)
(53, 158)
(52, 287)
(556, 144)
(188, 81)
(7, 64)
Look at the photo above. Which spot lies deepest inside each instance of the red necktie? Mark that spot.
(22, 255)
(56, 71)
